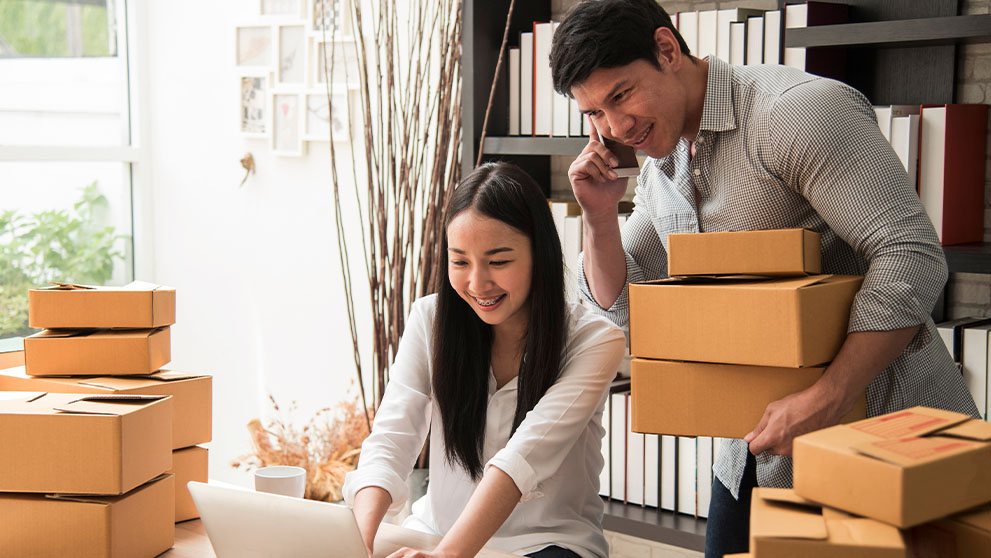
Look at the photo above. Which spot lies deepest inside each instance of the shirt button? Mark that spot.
(697, 172)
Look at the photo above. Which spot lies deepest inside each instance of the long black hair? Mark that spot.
(463, 342)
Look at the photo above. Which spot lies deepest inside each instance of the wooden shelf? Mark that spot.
(969, 258)
(522, 145)
(656, 525)
(932, 31)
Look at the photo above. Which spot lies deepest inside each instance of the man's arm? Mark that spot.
(862, 357)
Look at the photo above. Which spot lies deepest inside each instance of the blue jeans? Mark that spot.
(727, 530)
(553, 552)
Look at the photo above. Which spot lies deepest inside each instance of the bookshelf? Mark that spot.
(905, 53)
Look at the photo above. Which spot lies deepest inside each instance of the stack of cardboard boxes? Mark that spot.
(901, 485)
(745, 320)
(100, 408)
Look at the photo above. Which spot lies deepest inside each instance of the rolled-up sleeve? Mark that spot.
(545, 437)
(403, 418)
(871, 207)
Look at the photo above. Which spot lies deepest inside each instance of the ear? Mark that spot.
(668, 50)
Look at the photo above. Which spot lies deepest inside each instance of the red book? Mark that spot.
(951, 170)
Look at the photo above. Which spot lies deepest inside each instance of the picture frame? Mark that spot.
(330, 19)
(282, 8)
(254, 47)
(292, 54)
(287, 135)
(345, 63)
(323, 123)
(255, 109)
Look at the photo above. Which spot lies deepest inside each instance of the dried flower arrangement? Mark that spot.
(328, 446)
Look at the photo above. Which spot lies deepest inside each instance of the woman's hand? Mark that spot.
(413, 553)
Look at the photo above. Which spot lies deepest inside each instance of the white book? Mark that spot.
(933, 156)
(883, 114)
(738, 43)
(634, 459)
(772, 37)
(950, 332)
(687, 463)
(669, 452)
(572, 250)
(543, 86)
(725, 19)
(708, 33)
(575, 120)
(688, 27)
(514, 91)
(975, 365)
(704, 486)
(755, 40)
(796, 16)
(526, 84)
(905, 142)
(585, 130)
(561, 113)
(651, 470)
(618, 450)
(606, 446)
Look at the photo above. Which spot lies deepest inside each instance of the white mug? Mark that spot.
(281, 479)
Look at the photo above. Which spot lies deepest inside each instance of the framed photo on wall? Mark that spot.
(287, 135)
(282, 8)
(325, 121)
(254, 47)
(343, 63)
(292, 54)
(254, 121)
(330, 19)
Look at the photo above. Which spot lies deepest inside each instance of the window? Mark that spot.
(68, 155)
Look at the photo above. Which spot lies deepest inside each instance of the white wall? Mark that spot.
(259, 295)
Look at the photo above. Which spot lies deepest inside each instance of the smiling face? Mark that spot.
(640, 104)
(490, 265)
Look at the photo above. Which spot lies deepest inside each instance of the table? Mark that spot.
(191, 542)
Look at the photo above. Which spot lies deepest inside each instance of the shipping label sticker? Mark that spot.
(918, 449)
(901, 425)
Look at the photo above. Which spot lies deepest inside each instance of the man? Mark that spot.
(750, 148)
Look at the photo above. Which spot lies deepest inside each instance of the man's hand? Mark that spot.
(796, 414)
(596, 186)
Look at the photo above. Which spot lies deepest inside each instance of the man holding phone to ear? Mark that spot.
(752, 148)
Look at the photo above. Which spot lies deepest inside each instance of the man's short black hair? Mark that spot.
(606, 34)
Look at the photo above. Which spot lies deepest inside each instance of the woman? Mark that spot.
(510, 380)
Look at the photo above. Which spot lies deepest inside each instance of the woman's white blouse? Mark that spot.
(554, 457)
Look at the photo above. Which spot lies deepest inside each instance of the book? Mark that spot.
(738, 43)
(561, 208)
(905, 142)
(651, 470)
(724, 20)
(618, 449)
(561, 114)
(755, 40)
(951, 332)
(773, 36)
(883, 114)
(687, 477)
(826, 62)
(708, 33)
(574, 119)
(951, 170)
(669, 472)
(704, 474)
(634, 459)
(974, 363)
(526, 84)
(688, 28)
(572, 250)
(514, 91)
(543, 86)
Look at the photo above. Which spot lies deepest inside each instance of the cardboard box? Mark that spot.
(101, 352)
(719, 400)
(135, 305)
(192, 417)
(11, 359)
(958, 536)
(782, 252)
(791, 322)
(138, 523)
(188, 464)
(783, 525)
(89, 444)
(904, 468)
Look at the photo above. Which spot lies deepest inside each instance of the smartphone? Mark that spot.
(628, 164)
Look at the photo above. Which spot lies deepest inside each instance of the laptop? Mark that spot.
(242, 523)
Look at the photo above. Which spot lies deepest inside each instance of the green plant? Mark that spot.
(54, 245)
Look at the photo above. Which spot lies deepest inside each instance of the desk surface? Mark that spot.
(191, 542)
